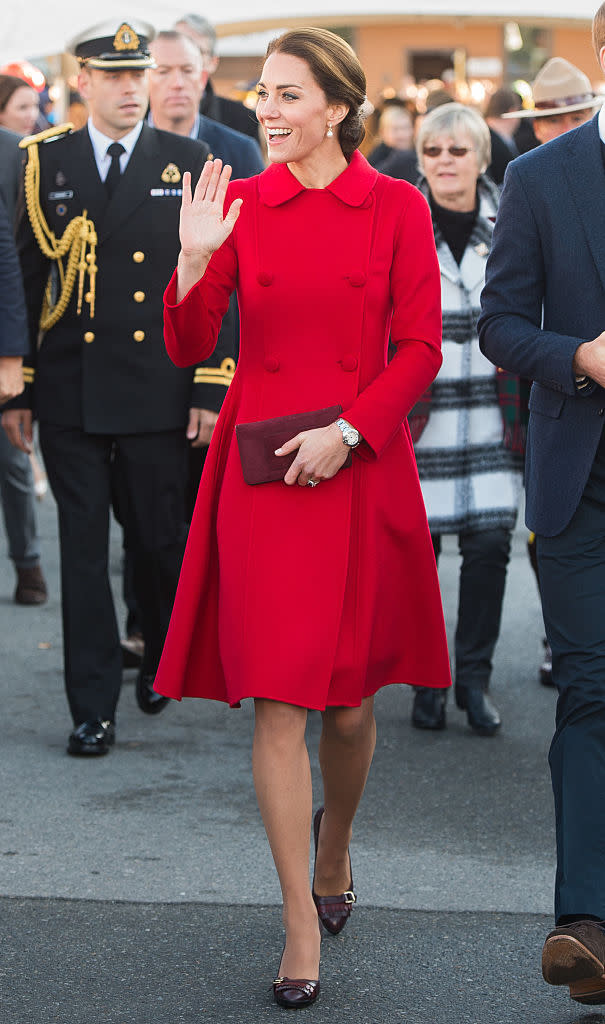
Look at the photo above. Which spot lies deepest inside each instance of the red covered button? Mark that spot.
(264, 278)
(357, 279)
(348, 363)
(271, 364)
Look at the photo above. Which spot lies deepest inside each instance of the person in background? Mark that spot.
(563, 99)
(502, 130)
(19, 105)
(17, 484)
(345, 548)
(396, 132)
(404, 163)
(218, 108)
(471, 481)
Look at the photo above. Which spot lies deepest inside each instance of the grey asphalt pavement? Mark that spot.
(139, 887)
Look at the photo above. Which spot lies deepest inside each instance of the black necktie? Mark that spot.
(113, 175)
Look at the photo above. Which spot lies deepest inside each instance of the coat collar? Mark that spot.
(471, 271)
(278, 185)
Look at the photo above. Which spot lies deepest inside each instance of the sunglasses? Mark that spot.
(435, 151)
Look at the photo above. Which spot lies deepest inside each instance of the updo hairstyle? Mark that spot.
(337, 71)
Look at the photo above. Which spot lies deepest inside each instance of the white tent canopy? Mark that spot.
(38, 29)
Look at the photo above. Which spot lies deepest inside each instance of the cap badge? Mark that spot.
(126, 38)
(171, 174)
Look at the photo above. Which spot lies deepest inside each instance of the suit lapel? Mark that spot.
(131, 191)
(91, 190)
(583, 168)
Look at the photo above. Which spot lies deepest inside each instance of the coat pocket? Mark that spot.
(545, 401)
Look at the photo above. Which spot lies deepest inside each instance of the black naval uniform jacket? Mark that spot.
(110, 374)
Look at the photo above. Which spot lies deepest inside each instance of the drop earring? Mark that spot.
(329, 133)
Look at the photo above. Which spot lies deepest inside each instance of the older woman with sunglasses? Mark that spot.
(470, 476)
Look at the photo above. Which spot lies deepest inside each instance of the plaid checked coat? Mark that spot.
(470, 477)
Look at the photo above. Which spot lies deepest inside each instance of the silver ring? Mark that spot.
(312, 483)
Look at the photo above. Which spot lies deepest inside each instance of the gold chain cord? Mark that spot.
(78, 243)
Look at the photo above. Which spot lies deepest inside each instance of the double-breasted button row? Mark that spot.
(89, 336)
(357, 279)
(271, 364)
(348, 363)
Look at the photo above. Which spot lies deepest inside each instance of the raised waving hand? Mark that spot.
(203, 225)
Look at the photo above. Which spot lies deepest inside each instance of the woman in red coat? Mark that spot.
(314, 591)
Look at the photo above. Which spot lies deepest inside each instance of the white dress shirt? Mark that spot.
(101, 143)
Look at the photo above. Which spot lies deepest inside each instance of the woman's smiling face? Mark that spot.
(293, 109)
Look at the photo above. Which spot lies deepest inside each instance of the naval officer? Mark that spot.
(98, 244)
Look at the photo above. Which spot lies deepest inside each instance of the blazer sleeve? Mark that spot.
(510, 326)
(13, 319)
(415, 283)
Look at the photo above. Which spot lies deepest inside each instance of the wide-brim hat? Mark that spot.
(112, 46)
(559, 88)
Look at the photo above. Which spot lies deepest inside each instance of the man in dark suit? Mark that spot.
(109, 401)
(218, 108)
(176, 86)
(543, 318)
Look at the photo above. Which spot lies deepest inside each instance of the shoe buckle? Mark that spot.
(350, 897)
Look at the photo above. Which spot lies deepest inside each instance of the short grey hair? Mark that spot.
(449, 119)
(200, 25)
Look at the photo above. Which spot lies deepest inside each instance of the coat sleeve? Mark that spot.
(510, 326)
(13, 320)
(415, 283)
(191, 326)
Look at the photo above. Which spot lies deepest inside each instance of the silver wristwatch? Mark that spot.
(350, 436)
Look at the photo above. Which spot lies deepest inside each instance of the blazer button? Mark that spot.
(357, 279)
(348, 363)
(271, 364)
(264, 278)
(139, 335)
(139, 296)
(89, 336)
(138, 256)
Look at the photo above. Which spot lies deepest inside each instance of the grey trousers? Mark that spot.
(18, 505)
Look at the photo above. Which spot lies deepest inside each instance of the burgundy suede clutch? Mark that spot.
(257, 442)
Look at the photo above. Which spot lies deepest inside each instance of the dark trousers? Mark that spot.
(150, 470)
(485, 555)
(572, 584)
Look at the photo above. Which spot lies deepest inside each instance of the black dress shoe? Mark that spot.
(482, 716)
(333, 911)
(294, 993)
(148, 700)
(428, 711)
(90, 739)
(574, 955)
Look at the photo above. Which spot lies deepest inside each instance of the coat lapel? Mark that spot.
(129, 193)
(91, 190)
(583, 168)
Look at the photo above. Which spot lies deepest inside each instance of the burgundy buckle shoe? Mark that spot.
(574, 955)
(333, 911)
(294, 993)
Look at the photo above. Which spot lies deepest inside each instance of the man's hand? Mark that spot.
(589, 360)
(18, 426)
(201, 424)
(11, 377)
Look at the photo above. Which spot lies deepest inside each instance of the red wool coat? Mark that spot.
(313, 596)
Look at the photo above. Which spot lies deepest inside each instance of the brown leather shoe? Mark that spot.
(31, 586)
(333, 911)
(294, 993)
(574, 955)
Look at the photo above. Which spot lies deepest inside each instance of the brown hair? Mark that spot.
(598, 31)
(8, 86)
(337, 71)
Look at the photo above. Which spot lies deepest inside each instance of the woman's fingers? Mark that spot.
(292, 444)
(202, 181)
(186, 198)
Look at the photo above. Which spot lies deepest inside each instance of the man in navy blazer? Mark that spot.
(544, 318)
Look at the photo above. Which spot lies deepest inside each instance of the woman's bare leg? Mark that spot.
(282, 778)
(346, 749)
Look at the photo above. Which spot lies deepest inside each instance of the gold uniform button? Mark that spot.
(139, 335)
(89, 336)
(139, 296)
(88, 297)
(89, 257)
(138, 256)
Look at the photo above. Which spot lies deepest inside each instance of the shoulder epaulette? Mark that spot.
(53, 132)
